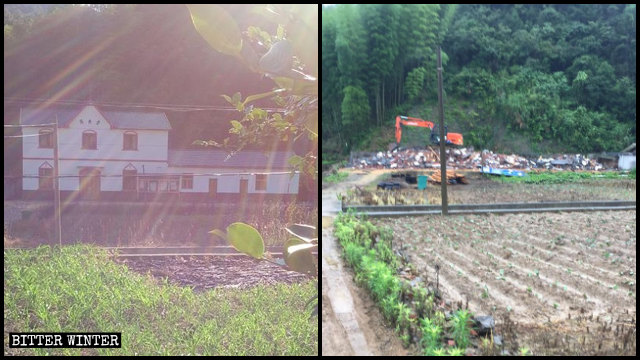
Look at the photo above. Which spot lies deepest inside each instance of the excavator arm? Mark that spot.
(451, 138)
(409, 121)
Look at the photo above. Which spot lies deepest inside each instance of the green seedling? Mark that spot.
(485, 293)
(430, 335)
(461, 327)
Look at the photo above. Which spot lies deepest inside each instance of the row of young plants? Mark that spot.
(549, 177)
(415, 312)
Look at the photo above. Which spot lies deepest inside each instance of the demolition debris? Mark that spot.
(467, 158)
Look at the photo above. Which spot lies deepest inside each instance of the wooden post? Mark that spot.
(443, 155)
(56, 182)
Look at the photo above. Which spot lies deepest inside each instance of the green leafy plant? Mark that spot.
(461, 327)
(389, 308)
(439, 318)
(404, 315)
(405, 339)
(289, 57)
(353, 253)
(485, 293)
(297, 251)
(431, 335)
(424, 302)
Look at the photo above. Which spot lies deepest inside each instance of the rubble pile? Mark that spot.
(468, 158)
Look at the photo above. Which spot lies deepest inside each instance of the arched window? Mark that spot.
(130, 140)
(129, 178)
(89, 140)
(45, 173)
(46, 138)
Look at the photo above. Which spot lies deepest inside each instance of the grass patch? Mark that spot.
(336, 178)
(79, 289)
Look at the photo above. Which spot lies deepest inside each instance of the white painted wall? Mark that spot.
(276, 184)
(151, 157)
(72, 167)
(152, 144)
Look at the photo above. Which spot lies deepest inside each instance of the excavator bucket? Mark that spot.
(455, 139)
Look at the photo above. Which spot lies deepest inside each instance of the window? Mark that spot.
(130, 141)
(158, 184)
(129, 180)
(89, 140)
(46, 177)
(46, 138)
(187, 181)
(261, 182)
(173, 185)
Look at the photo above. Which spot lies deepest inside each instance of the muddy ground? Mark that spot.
(483, 190)
(557, 283)
(207, 272)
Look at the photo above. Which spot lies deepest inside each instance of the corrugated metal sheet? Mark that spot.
(118, 119)
(244, 160)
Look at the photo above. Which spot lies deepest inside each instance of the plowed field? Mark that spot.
(556, 283)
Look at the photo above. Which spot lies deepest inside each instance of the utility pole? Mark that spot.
(56, 182)
(443, 155)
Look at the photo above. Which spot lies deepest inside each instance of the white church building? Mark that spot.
(124, 155)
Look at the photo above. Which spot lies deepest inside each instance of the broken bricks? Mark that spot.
(467, 158)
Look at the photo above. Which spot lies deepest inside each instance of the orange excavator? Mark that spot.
(450, 138)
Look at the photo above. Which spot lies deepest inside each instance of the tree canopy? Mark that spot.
(523, 78)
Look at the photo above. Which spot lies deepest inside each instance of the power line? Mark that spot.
(22, 136)
(40, 125)
(170, 107)
(156, 175)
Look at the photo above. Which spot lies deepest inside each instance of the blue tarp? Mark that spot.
(505, 172)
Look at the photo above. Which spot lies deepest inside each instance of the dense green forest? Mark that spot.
(522, 78)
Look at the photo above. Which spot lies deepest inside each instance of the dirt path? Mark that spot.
(351, 324)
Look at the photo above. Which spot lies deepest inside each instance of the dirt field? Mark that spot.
(567, 281)
(207, 272)
(483, 190)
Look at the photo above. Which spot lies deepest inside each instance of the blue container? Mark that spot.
(422, 182)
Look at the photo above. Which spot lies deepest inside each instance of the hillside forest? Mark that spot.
(531, 79)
